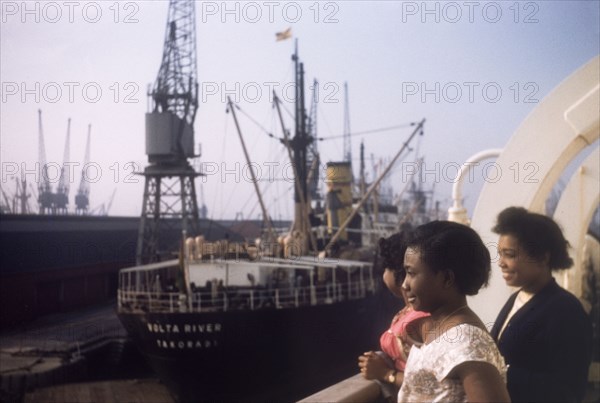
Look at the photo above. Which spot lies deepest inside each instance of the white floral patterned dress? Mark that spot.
(427, 368)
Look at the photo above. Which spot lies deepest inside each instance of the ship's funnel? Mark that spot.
(339, 196)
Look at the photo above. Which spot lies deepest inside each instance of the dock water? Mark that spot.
(75, 356)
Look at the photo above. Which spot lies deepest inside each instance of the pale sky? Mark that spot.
(474, 70)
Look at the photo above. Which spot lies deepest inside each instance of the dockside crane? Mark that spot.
(45, 196)
(169, 190)
(21, 200)
(61, 198)
(34, 194)
(82, 199)
(5, 207)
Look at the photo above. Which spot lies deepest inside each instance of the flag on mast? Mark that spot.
(282, 36)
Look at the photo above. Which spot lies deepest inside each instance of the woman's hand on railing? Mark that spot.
(373, 366)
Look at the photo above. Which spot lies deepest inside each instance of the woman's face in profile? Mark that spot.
(423, 286)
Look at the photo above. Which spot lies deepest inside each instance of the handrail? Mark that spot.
(157, 287)
(353, 389)
(240, 298)
(457, 212)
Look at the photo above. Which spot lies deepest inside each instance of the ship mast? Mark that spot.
(305, 222)
(313, 158)
(170, 192)
(347, 138)
(298, 148)
(299, 145)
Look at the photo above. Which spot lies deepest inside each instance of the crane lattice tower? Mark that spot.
(169, 191)
(45, 195)
(82, 198)
(61, 197)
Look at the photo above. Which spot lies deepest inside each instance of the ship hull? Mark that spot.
(269, 354)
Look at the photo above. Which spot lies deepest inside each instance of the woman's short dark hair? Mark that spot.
(537, 234)
(392, 250)
(445, 245)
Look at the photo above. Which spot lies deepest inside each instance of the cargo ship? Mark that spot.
(264, 320)
(224, 325)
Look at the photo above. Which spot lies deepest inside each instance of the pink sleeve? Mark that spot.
(413, 315)
(399, 327)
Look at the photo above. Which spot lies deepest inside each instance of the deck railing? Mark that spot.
(143, 289)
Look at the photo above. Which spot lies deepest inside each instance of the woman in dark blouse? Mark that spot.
(542, 331)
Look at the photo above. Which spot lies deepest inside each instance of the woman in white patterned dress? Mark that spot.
(458, 360)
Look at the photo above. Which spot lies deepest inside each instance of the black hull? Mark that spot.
(274, 354)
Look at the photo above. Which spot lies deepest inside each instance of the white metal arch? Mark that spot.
(574, 213)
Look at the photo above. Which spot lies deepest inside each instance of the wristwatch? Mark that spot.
(391, 377)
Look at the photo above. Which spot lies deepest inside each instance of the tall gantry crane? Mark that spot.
(61, 198)
(82, 198)
(45, 196)
(169, 191)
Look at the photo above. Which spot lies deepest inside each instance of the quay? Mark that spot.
(79, 357)
(70, 357)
